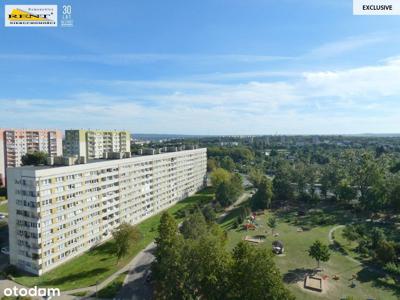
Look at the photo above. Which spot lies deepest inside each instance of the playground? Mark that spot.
(340, 277)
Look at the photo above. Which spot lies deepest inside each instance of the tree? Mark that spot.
(209, 213)
(224, 194)
(377, 235)
(236, 184)
(228, 191)
(385, 252)
(36, 158)
(255, 276)
(124, 236)
(377, 196)
(262, 198)
(219, 176)
(282, 186)
(350, 233)
(364, 172)
(272, 223)
(255, 176)
(205, 264)
(344, 191)
(211, 164)
(228, 164)
(319, 252)
(167, 268)
(194, 226)
(395, 195)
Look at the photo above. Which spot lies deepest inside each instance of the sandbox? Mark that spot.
(314, 283)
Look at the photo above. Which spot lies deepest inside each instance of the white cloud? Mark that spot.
(331, 101)
(347, 45)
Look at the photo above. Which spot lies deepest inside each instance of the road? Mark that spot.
(135, 286)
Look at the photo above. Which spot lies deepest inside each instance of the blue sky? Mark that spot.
(205, 67)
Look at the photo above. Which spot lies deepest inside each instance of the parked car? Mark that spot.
(5, 250)
(2, 216)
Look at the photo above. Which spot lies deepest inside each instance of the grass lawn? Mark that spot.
(111, 290)
(98, 264)
(296, 262)
(3, 208)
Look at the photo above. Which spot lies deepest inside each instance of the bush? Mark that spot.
(392, 268)
(385, 252)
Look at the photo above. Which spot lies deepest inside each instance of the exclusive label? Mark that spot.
(376, 7)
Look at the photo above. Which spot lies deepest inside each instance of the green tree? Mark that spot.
(282, 186)
(228, 164)
(255, 176)
(319, 252)
(385, 252)
(209, 213)
(211, 164)
(376, 235)
(262, 198)
(255, 276)
(272, 223)
(224, 194)
(36, 158)
(124, 235)
(168, 269)
(236, 184)
(350, 233)
(395, 195)
(365, 172)
(219, 176)
(228, 191)
(344, 191)
(206, 266)
(194, 226)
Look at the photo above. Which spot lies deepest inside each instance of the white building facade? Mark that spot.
(57, 213)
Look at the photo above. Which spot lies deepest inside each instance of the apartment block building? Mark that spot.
(57, 213)
(14, 143)
(95, 143)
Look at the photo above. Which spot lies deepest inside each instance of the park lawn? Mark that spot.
(296, 262)
(3, 208)
(98, 264)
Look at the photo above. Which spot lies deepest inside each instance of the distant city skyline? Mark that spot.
(240, 67)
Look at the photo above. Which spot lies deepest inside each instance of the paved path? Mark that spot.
(132, 267)
(246, 195)
(331, 232)
(135, 286)
(371, 268)
(331, 241)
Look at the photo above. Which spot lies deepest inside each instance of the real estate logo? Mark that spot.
(30, 15)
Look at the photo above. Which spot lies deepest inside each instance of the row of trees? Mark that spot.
(373, 242)
(355, 177)
(193, 263)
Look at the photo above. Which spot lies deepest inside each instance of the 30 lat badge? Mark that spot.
(66, 20)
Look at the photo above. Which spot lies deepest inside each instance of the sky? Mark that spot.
(204, 67)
